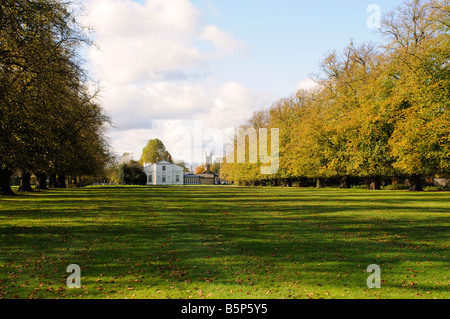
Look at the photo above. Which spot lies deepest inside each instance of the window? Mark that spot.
(150, 178)
(163, 179)
(164, 168)
(178, 178)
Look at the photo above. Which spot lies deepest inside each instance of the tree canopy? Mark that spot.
(155, 151)
(50, 121)
(132, 173)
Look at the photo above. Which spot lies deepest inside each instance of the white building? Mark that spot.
(164, 173)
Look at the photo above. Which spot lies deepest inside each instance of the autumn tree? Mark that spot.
(288, 114)
(199, 169)
(419, 53)
(357, 92)
(216, 167)
(379, 111)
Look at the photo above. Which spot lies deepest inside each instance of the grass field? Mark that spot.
(224, 242)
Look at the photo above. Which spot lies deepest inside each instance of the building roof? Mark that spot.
(206, 175)
(190, 175)
(165, 163)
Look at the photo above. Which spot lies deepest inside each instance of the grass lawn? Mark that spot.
(224, 242)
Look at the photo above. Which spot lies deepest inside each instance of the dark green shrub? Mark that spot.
(132, 173)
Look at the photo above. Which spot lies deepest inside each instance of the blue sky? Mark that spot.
(166, 63)
(287, 38)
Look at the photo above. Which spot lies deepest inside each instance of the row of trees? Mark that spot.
(50, 122)
(378, 111)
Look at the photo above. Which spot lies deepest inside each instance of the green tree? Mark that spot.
(215, 167)
(155, 151)
(132, 173)
(43, 95)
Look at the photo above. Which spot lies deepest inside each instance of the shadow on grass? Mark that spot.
(144, 237)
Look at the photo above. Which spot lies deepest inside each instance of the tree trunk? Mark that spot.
(375, 183)
(395, 181)
(287, 182)
(345, 182)
(53, 181)
(429, 181)
(302, 182)
(320, 183)
(41, 181)
(5, 182)
(274, 182)
(415, 183)
(25, 182)
(61, 181)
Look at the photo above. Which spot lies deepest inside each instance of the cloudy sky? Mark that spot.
(169, 68)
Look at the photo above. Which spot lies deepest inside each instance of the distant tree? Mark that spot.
(112, 171)
(200, 169)
(132, 173)
(184, 165)
(215, 168)
(112, 175)
(125, 158)
(155, 151)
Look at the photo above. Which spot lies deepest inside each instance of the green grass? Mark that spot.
(224, 242)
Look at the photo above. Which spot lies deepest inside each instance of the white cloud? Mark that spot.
(216, 111)
(152, 67)
(222, 40)
(234, 103)
(145, 42)
(307, 84)
(139, 41)
(133, 106)
(125, 17)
